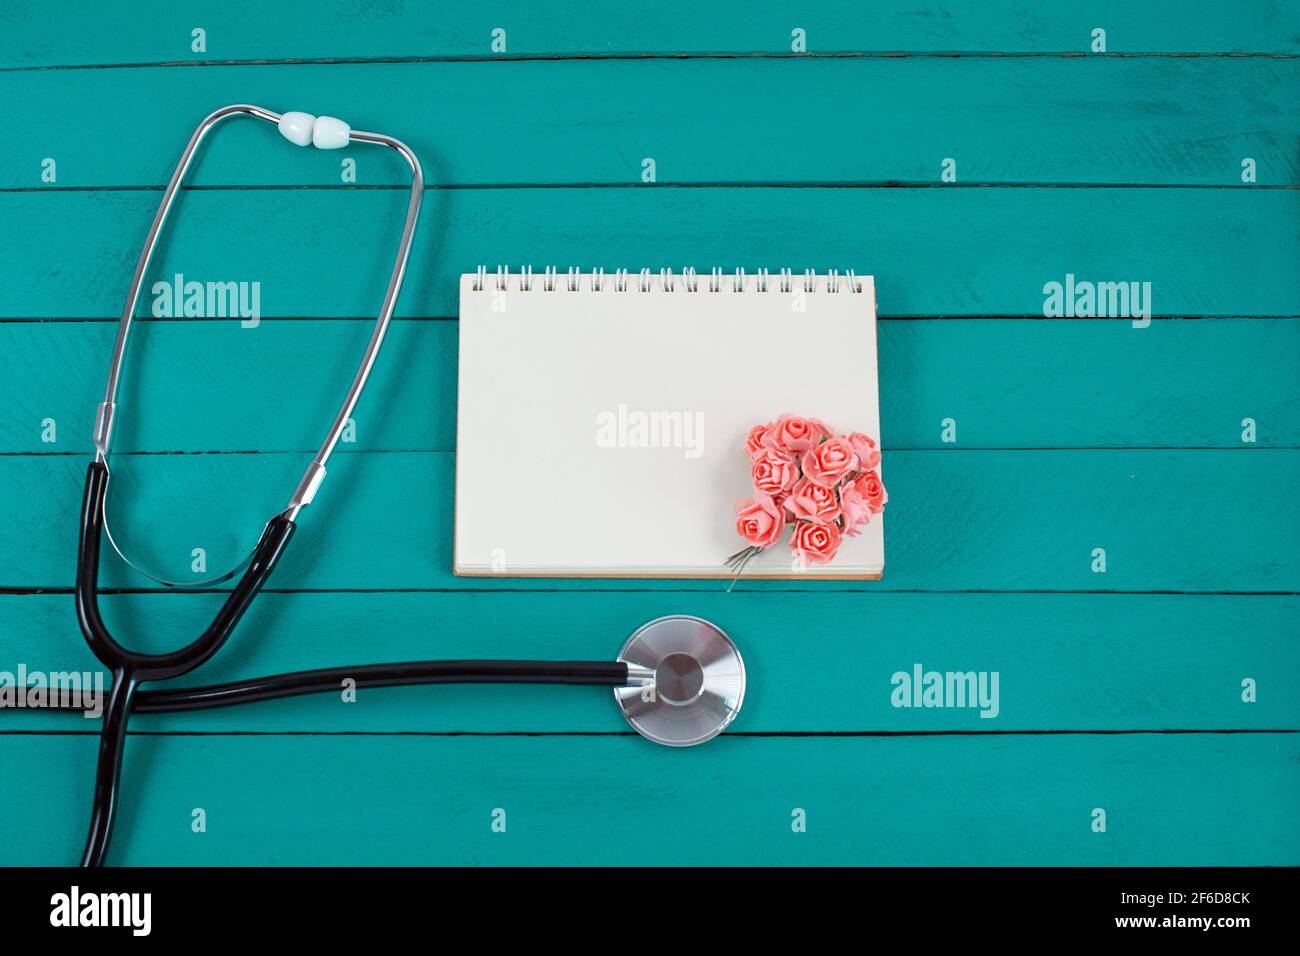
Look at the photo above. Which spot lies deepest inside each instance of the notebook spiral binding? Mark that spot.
(664, 280)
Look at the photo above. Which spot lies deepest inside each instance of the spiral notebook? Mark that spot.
(602, 417)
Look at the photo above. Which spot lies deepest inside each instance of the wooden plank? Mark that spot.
(1169, 800)
(200, 386)
(38, 36)
(1093, 120)
(816, 662)
(933, 251)
(958, 520)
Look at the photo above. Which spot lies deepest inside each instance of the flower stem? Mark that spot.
(738, 561)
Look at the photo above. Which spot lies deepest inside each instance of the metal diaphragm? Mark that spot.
(686, 681)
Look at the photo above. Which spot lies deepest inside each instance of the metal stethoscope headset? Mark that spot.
(679, 680)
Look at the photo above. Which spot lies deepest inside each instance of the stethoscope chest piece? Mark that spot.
(686, 681)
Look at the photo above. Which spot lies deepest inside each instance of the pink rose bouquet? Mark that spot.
(825, 485)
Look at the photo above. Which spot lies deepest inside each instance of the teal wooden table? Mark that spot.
(1101, 510)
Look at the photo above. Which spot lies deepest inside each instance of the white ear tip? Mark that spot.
(297, 128)
(330, 133)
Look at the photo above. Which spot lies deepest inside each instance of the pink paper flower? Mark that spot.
(815, 543)
(855, 507)
(825, 487)
(759, 521)
(868, 453)
(779, 500)
(794, 434)
(760, 437)
(773, 472)
(868, 485)
(829, 462)
(812, 502)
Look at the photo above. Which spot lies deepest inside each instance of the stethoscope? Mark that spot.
(678, 680)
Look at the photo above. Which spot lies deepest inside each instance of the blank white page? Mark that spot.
(562, 389)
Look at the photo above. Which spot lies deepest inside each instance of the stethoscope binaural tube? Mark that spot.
(324, 132)
(130, 669)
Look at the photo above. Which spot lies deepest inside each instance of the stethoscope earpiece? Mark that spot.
(686, 681)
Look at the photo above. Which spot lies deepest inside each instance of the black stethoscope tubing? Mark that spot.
(130, 669)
